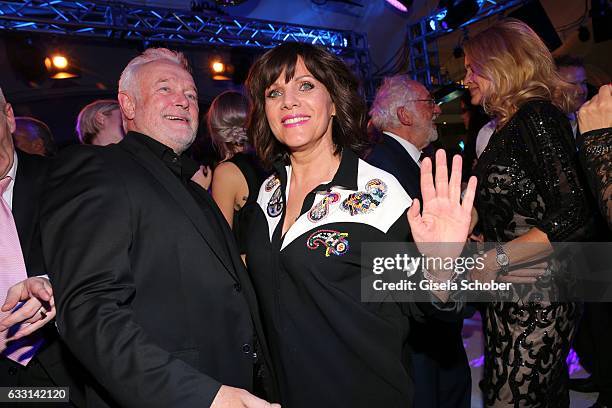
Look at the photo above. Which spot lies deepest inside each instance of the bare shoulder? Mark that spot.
(228, 169)
(227, 177)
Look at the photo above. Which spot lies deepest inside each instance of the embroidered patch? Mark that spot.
(363, 202)
(275, 205)
(335, 242)
(271, 184)
(377, 188)
(321, 209)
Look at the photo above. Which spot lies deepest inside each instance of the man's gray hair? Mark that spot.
(2, 98)
(394, 92)
(126, 81)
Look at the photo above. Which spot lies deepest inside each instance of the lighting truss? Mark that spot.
(424, 57)
(116, 20)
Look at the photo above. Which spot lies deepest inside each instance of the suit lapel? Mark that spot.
(245, 282)
(184, 200)
(410, 172)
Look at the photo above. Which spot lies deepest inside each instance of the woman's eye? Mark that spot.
(306, 86)
(273, 93)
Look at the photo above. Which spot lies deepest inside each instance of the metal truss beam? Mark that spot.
(115, 20)
(112, 19)
(422, 39)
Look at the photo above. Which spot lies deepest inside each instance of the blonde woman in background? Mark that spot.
(237, 178)
(100, 123)
(528, 193)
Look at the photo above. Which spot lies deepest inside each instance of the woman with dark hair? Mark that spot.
(529, 196)
(322, 202)
(236, 179)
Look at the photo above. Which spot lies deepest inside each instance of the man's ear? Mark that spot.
(128, 105)
(10, 118)
(404, 116)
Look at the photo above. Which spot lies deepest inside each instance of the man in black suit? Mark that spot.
(52, 364)
(151, 293)
(405, 111)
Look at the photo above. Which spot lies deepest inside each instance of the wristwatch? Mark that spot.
(502, 259)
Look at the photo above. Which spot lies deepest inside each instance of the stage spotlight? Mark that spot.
(220, 71)
(218, 67)
(401, 5)
(58, 67)
(60, 62)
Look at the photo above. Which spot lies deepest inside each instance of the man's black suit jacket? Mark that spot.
(152, 295)
(54, 358)
(391, 156)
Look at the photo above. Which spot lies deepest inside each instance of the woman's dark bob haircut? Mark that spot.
(349, 123)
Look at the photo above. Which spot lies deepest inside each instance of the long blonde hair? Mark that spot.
(520, 67)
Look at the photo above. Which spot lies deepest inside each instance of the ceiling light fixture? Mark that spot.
(59, 67)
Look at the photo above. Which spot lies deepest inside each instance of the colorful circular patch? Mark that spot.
(335, 242)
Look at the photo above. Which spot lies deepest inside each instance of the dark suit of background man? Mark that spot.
(152, 296)
(404, 111)
(52, 364)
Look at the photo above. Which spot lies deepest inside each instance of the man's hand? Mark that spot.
(38, 309)
(597, 113)
(230, 397)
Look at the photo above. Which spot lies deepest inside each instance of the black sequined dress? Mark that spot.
(527, 178)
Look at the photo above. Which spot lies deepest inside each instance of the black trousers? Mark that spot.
(440, 369)
(594, 346)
